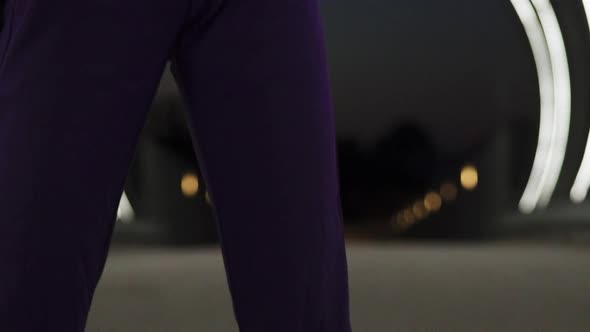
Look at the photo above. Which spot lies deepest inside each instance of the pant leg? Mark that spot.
(255, 78)
(76, 79)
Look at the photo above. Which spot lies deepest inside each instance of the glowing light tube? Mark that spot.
(562, 95)
(548, 49)
(125, 211)
(582, 184)
(534, 32)
(579, 190)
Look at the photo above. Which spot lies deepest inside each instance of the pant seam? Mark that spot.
(9, 26)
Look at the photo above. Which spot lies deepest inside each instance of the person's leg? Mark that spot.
(76, 79)
(255, 77)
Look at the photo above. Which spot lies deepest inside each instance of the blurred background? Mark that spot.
(464, 154)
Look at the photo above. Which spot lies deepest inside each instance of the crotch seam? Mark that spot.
(196, 22)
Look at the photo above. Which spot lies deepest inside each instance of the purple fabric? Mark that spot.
(76, 80)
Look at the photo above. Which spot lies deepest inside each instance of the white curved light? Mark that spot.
(548, 49)
(125, 211)
(562, 96)
(582, 183)
(535, 35)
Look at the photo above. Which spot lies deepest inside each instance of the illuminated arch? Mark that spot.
(544, 34)
(125, 211)
(581, 185)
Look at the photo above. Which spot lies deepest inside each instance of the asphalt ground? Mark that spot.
(500, 286)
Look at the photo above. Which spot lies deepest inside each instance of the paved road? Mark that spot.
(410, 287)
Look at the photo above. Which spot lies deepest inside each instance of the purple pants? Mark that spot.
(76, 80)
